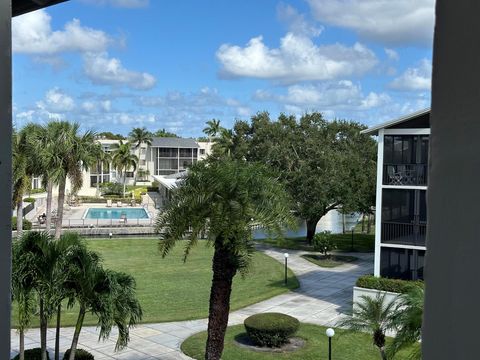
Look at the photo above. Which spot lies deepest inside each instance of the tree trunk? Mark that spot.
(382, 353)
(76, 334)
(363, 223)
(21, 354)
(344, 227)
(57, 333)
(311, 227)
(98, 183)
(19, 217)
(369, 224)
(43, 331)
(124, 183)
(223, 272)
(48, 220)
(61, 199)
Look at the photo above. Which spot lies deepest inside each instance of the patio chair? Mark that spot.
(119, 204)
(109, 203)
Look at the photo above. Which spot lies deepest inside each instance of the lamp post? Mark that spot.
(330, 332)
(286, 261)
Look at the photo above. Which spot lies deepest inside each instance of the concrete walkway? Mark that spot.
(324, 295)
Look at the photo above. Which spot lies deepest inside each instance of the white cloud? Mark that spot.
(414, 78)
(101, 69)
(32, 34)
(392, 54)
(297, 59)
(385, 21)
(343, 94)
(297, 23)
(56, 101)
(120, 3)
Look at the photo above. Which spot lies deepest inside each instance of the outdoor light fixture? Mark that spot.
(286, 261)
(330, 333)
(110, 235)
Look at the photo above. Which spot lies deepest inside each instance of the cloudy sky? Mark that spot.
(116, 64)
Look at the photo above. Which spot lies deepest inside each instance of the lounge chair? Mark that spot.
(109, 203)
(119, 204)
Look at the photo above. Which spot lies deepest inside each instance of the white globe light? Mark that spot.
(330, 332)
(286, 255)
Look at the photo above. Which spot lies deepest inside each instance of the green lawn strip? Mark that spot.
(345, 345)
(171, 290)
(329, 261)
(343, 242)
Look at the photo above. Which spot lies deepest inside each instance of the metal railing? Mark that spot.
(404, 234)
(405, 174)
(102, 223)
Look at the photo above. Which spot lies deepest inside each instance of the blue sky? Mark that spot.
(116, 64)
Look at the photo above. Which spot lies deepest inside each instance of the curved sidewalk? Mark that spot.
(323, 296)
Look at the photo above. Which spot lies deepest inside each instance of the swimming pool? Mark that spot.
(111, 213)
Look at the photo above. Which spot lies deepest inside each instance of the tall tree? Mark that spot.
(164, 133)
(123, 160)
(212, 129)
(71, 153)
(224, 198)
(104, 160)
(374, 316)
(21, 173)
(139, 136)
(324, 165)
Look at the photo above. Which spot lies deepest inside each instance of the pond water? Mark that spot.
(332, 221)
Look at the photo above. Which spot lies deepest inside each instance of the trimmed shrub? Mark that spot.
(80, 354)
(271, 329)
(33, 354)
(36, 191)
(323, 242)
(386, 284)
(27, 225)
(29, 200)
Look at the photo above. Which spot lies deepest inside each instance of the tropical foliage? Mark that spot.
(123, 160)
(223, 199)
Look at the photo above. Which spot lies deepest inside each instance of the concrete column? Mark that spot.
(453, 238)
(6, 174)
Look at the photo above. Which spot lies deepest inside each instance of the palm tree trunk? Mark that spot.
(344, 226)
(98, 184)
(57, 333)
(76, 334)
(43, 331)
(223, 273)
(61, 199)
(21, 354)
(363, 224)
(19, 216)
(369, 224)
(382, 353)
(311, 227)
(124, 182)
(48, 221)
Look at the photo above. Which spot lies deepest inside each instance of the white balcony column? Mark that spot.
(6, 171)
(378, 205)
(453, 237)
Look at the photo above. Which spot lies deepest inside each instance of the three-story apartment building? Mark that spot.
(402, 178)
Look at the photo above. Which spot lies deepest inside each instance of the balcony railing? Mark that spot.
(404, 234)
(405, 174)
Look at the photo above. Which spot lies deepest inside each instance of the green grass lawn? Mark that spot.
(329, 261)
(343, 242)
(169, 289)
(345, 346)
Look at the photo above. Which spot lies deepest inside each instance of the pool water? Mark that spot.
(110, 213)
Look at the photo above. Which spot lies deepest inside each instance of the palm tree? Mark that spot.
(123, 160)
(224, 143)
(212, 129)
(374, 316)
(67, 157)
(107, 294)
(139, 136)
(103, 161)
(225, 198)
(407, 322)
(22, 292)
(21, 173)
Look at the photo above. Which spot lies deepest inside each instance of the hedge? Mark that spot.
(270, 329)
(29, 200)
(33, 354)
(386, 284)
(27, 225)
(80, 354)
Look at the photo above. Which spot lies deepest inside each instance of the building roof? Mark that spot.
(174, 142)
(396, 122)
(20, 7)
(169, 181)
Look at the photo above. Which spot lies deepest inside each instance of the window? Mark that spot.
(186, 153)
(404, 264)
(202, 151)
(129, 174)
(143, 151)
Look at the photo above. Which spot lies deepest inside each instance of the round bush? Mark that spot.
(32, 354)
(270, 329)
(27, 225)
(80, 354)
